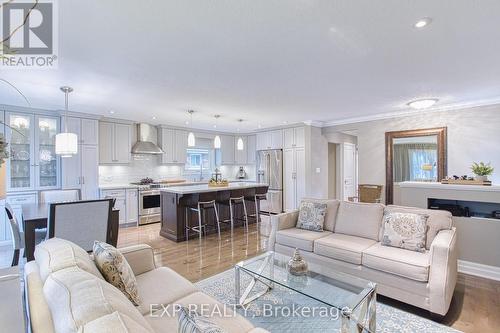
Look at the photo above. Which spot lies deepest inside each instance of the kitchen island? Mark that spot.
(175, 199)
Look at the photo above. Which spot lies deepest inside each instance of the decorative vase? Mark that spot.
(297, 265)
(481, 178)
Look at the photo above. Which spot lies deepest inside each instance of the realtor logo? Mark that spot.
(29, 38)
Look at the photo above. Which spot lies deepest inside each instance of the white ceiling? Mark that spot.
(266, 61)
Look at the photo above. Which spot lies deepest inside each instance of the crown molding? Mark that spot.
(411, 112)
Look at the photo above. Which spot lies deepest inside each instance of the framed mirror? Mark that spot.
(414, 155)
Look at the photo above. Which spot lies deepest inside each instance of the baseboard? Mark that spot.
(485, 271)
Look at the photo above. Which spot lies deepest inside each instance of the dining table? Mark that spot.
(35, 216)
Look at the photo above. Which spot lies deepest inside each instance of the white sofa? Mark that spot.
(65, 292)
(350, 243)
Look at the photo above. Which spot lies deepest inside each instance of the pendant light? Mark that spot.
(217, 142)
(239, 143)
(191, 138)
(66, 143)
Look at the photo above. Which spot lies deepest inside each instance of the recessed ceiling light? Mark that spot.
(423, 22)
(260, 126)
(422, 103)
(186, 122)
(112, 112)
(154, 118)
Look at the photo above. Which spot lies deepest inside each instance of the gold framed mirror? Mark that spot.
(414, 155)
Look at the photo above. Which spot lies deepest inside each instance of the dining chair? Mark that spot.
(59, 196)
(368, 193)
(81, 222)
(18, 235)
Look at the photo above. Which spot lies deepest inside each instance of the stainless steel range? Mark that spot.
(149, 202)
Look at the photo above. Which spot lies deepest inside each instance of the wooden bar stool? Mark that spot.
(200, 204)
(233, 199)
(256, 195)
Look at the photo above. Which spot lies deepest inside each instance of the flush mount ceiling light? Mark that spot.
(420, 104)
(191, 138)
(423, 22)
(217, 142)
(66, 143)
(239, 143)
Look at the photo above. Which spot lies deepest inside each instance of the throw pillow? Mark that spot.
(311, 216)
(116, 270)
(405, 230)
(192, 322)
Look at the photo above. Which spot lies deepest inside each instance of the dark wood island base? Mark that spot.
(174, 201)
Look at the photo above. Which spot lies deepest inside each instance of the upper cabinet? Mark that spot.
(33, 163)
(115, 143)
(87, 130)
(227, 149)
(174, 144)
(241, 156)
(294, 137)
(270, 140)
(251, 149)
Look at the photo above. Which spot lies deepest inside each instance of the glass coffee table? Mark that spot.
(353, 298)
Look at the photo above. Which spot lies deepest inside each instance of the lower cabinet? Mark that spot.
(294, 185)
(126, 201)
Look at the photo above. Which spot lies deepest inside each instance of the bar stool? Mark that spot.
(256, 195)
(233, 198)
(202, 203)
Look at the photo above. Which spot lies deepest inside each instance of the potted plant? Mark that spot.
(482, 170)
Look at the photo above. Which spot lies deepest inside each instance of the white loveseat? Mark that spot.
(65, 292)
(350, 243)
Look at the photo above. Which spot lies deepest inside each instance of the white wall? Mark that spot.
(316, 152)
(473, 135)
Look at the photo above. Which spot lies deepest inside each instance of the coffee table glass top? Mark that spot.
(336, 289)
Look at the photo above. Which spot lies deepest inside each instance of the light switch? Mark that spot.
(318, 170)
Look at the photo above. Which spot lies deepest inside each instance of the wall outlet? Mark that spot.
(318, 170)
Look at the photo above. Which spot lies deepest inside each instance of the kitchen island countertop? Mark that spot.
(202, 188)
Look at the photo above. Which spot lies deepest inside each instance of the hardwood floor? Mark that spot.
(475, 306)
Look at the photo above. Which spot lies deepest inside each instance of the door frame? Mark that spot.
(340, 169)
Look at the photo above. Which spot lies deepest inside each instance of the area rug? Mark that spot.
(388, 319)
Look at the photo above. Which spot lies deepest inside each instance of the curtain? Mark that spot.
(415, 162)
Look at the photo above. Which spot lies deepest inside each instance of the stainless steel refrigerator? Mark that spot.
(270, 171)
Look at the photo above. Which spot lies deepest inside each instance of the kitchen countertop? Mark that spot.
(202, 188)
(186, 183)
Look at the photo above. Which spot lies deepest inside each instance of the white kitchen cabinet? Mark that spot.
(240, 156)
(120, 195)
(87, 130)
(293, 177)
(263, 140)
(174, 144)
(81, 171)
(227, 148)
(270, 140)
(251, 149)
(277, 139)
(294, 137)
(181, 144)
(115, 143)
(132, 202)
(89, 133)
(33, 164)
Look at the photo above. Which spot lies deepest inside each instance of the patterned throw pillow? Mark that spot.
(311, 216)
(192, 322)
(116, 270)
(405, 230)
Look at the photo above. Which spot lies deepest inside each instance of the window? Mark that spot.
(197, 158)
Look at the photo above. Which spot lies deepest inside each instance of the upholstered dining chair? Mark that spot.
(368, 193)
(81, 222)
(18, 235)
(59, 196)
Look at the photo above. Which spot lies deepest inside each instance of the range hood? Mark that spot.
(147, 137)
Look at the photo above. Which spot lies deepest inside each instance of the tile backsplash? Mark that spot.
(142, 166)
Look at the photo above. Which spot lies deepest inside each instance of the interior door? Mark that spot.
(349, 170)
